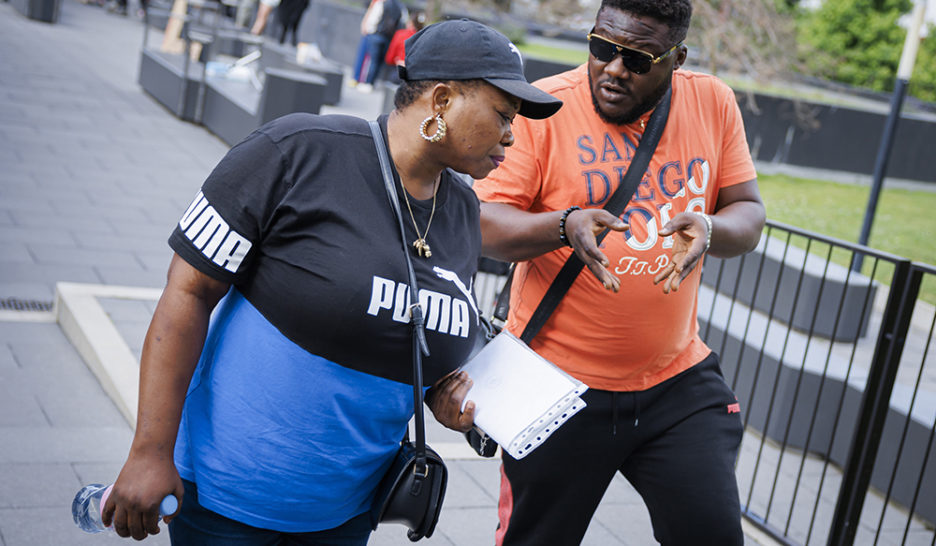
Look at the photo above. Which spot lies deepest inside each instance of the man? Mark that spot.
(658, 409)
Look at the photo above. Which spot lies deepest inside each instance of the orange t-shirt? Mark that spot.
(638, 337)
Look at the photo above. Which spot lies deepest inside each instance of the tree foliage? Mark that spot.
(857, 42)
(750, 37)
(923, 80)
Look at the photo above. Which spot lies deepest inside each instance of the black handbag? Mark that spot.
(412, 490)
(411, 496)
(483, 444)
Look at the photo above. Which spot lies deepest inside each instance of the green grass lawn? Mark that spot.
(904, 224)
(562, 55)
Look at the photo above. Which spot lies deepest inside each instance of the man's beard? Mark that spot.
(632, 115)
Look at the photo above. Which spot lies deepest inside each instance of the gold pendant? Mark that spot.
(422, 248)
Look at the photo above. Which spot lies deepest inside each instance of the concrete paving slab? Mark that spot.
(598, 534)
(18, 406)
(8, 362)
(470, 493)
(96, 472)
(140, 276)
(57, 444)
(469, 525)
(46, 254)
(32, 485)
(37, 276)
(53, 526)
(15, 253)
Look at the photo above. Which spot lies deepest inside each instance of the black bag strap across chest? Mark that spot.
(615, 205)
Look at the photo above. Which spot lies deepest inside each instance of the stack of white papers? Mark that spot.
(520, 397)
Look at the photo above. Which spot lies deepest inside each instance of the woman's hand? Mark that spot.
(171, 349)
(133, 504)
(446, 400)
(689, 233)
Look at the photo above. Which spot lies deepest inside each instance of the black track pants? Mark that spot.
(676, 443)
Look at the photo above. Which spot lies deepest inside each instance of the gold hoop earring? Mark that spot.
(440, 128)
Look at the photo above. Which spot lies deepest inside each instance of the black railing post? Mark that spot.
(875, 403)
(880, 167)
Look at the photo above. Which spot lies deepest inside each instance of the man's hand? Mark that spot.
(582, 228)
(446, 402)
(689, 231)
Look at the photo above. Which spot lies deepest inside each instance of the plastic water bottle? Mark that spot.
(89, 502)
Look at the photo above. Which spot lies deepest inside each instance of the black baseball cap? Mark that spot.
(467, 50)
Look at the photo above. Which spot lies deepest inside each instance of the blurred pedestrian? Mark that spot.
(289, 15)
(117, 6)
(380, 22)
(396, 51)
(264, 10)
(245, 9)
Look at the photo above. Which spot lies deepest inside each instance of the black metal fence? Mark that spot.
(836, 375)
(835, 370)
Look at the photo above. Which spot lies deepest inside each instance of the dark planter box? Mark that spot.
(39, 10)
(161, 77)
(230, 109)
(235, 108)
(280, 56)
(287, 91)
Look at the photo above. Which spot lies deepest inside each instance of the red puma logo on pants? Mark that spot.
(734, 408)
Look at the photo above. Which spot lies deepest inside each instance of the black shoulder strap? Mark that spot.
(615, 205)
(416, 314)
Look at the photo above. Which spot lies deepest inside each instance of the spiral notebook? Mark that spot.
(520, 397)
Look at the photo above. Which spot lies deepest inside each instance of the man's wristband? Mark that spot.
(708, 233)
(562, 222)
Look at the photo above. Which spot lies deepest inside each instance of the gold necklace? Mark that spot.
(420, 244)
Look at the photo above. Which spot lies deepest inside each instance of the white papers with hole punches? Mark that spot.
(520, 397)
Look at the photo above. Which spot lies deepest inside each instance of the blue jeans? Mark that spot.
(371, 49)
(197, 526)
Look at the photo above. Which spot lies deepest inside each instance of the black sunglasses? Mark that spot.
(635, 60)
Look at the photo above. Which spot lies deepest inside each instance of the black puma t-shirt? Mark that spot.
(297, 218)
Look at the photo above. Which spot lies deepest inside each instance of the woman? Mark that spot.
(396, 51)
(297, 392)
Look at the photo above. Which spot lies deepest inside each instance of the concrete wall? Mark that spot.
(845, 139)
(336, 28)
(836, 138)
